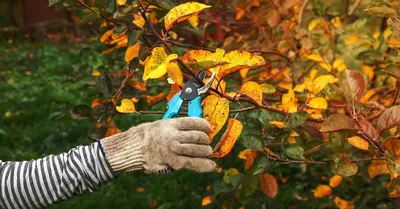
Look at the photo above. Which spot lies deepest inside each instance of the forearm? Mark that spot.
(43, 182)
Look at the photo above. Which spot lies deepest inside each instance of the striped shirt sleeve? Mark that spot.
(55, 178)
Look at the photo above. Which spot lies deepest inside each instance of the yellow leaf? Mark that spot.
(158, 63)
(299, 87)
(132, 52)
(253, 90)
(336, 22)
(393, 42)
(106, 35)
(206, 200)
(377, 167)
(175, 73)
(320, 82)
(313, 24)
(215, 111)
(322, 191)
(337, 62)
(194, 20)
(138, 20)
(277, 124)
(314, 113)
(270, 153)
(368, 95)
(369, 71)
(229, 138)
(289, 102)
(315, 57)
(358, 142)
(343, 204)
(269, 185)
(335, 180)
(326, 66)
(127, 106)
(243, 72)
(318, 103)
(96, 73)
(182, 12)
(218, 84)
(351, 39)
(121, 2)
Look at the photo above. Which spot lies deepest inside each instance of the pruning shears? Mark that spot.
(190, 92)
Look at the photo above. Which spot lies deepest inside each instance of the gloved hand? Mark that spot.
(160, 146)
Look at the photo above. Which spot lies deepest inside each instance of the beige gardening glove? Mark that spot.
(161, 146)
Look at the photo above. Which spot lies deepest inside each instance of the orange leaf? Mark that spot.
(174, 89)
(248, 155)
(175, 73)
(252, 90)
(322, 191)
(132, 52)
(358, 142)
(335, 180)
(277, 124)
(139, 189)
(216, 112)
(343, 204)
(229, 138)
(106, 35)
(112, 131)
(127, 106)
(377, 167)
(151, 99)
(269, 185)
(206, 200)
(182, 12)
(139, 86)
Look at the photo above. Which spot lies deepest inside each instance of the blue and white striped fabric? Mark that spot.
(55, 178)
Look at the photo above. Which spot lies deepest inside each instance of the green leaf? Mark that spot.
(337, 141)
(394, 187)
(81, 112)
(165, 4)
(133, 36)
(260, 165)
(250, 183)
(237, 179)
(382, 11)
(337, 122)
(390, 118)
(313, 146)
(344, 167)
(267, 88)
(392, 163)
(353, 85)
(296, 119)
(264, 116)
(253, 142)
(119, 29)
(295, 152)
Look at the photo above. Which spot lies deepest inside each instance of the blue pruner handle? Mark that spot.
(174, 105)
(195, 108)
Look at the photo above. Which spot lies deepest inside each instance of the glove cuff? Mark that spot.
(123, 151)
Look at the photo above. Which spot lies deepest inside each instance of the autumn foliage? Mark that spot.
(310, 83)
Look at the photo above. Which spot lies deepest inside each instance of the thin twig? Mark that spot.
(98, 13)
(353, 8)
(300, 17)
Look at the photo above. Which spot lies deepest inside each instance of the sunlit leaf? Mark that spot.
(269, 185)
(315, 57)
(182, 12)
(175, 73)
(229, 138)
(277, 124)
(377, 167)
(216, 112)
(382, 11)
(194, 20)
(126, 106)
(322, 191)
(318, 103)
(289, 102)
(121, 2)
(358, 142)
(157, 64)
(253, 90)
(206, 200)
(320, 83)
(138, 20)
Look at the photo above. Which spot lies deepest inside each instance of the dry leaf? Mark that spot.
(377, 168)
(182, 12)
(343, 204)
(216, 112)
(126, 106)
(229, 138)
(269, 185)
(253, 90)
(175, 73)
(139, 85)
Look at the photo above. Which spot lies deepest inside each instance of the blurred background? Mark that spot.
(47, 60)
